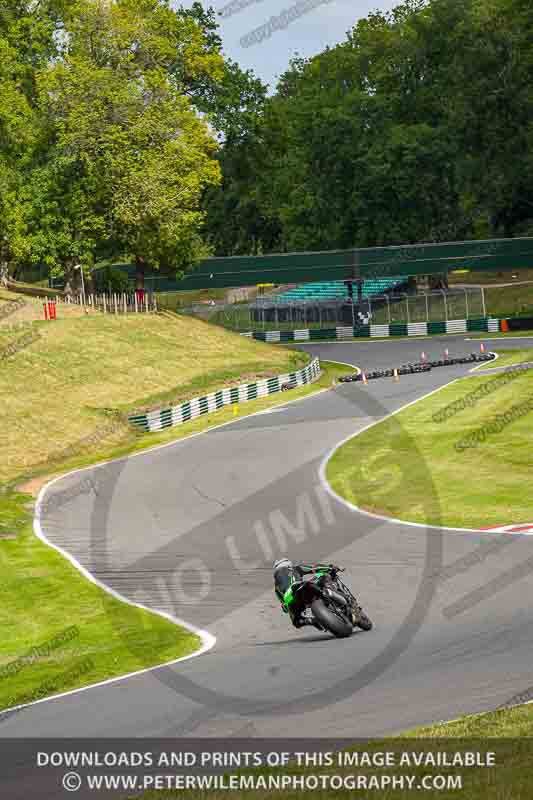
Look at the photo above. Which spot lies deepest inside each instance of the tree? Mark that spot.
(16, 142)
(129, 153)
(416, 128)
(103, 150)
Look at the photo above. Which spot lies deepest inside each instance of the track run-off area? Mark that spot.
(192, 529)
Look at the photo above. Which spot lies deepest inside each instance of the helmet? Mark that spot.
(281, 562)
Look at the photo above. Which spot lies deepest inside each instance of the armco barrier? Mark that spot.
(168, 417)
(377, 331)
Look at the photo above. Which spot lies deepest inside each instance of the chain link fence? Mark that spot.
(275, 313)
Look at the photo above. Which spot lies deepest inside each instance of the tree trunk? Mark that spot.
(140, 268)
(69, 277)
(3, 274)
(90, 286)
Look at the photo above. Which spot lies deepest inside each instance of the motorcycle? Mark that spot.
(324, 600)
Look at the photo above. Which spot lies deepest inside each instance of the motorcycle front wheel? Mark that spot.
(331, 621)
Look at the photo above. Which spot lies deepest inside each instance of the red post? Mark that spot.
(45, 305)
(54, 309)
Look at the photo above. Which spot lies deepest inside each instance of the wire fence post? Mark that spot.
(407, 307)
(445, 305)
(427, 306)
(466, 303)
(483, 301)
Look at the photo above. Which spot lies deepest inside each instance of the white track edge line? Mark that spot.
(479, 366)
(208, 640)
(497, 338)
(344, 364)
(394, 520)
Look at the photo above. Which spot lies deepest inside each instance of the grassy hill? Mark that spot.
(30, 309)
(66, 391)
(62, 387)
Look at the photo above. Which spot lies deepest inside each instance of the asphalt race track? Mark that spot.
(193, 528)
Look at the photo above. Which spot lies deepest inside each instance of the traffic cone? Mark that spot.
(423, 356)
(364, 378)
(395, 374)
(446, 353)
(481, 348)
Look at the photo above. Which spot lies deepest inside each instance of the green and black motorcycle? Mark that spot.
(320, 598)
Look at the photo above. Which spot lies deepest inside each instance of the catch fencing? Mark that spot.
(114, 302)
(276, 314)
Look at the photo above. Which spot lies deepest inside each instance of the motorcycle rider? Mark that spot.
(285, 574)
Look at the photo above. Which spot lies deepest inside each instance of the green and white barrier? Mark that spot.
(378, 331)
(168, 417)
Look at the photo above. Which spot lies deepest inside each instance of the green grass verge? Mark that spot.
(407, 466)
(59, 631)
(9, 335)
(505, 723)
(508, 301)
(42, 596)
(507, 358)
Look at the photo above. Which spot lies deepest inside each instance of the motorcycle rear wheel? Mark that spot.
(330, 621)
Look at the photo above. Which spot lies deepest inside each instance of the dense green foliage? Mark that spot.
(109, 114)
(126, 133)
(418, 127)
